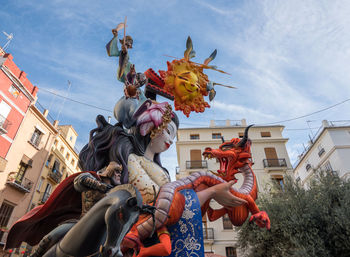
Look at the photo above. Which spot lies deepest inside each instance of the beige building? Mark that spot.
(61, 163)
(329, 150)
(25, 161)
(271, 162)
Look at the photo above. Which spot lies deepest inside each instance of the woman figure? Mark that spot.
(138, 151)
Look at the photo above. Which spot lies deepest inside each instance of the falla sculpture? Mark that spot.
(124, 203)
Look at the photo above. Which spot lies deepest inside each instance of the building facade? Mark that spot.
(329, 151)
(269, 155)
(25, 162)
(61, 163)
(17, 93)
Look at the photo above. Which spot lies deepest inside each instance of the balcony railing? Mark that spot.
(23, 185)
(44, 196)
(275, 163)
(196, 164)
(208, 233)
(4, 125)
(55, 176)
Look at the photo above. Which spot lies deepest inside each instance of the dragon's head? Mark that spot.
(232, 155)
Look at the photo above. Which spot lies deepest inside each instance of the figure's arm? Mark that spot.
(86, 181)
(220, 193)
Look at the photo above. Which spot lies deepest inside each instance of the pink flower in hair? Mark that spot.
(154, 117)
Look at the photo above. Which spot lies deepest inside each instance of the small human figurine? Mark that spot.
(112, 50)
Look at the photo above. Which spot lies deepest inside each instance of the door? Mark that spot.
(271, 157)
(196, 159)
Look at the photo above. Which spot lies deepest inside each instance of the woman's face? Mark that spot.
(164, 140)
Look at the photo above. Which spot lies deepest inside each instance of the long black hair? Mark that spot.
(113, 143)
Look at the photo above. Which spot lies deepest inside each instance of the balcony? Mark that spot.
(275, 163)
(55, 176)
(208, 233)
(24, 185)
(197, 164)
(4, 125)
(43, 197)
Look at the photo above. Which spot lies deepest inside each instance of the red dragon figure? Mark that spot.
(235, 157)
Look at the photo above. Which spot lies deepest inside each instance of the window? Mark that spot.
(67, 156)
(36, 137)
(14, 91)
(40, 184)
(72, 162)
(298, 179)
(216, 135)
(265, 134)
(4, 111)
(56, 142)
(22, 167)
(321, 150)
(240, 134)
(328, 167)
(62, 149)
(308, 166)
(194, 136)
(5, 214)
(231, 252)
(226, 222)
(71, 138)
(56, 167)
(46, 193)
(279, 181)
(49, 160)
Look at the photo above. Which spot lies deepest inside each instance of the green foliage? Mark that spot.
(313, 222)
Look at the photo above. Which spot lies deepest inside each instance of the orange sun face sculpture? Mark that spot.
(186, 81)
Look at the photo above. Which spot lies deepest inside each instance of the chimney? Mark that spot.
(212, 123)
(55, 123)
(45, 113)
(325, 123)
(243, 122)
(228, 123)
(35, 90)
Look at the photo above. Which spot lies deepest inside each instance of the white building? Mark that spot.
(269, 154)
(329, 150)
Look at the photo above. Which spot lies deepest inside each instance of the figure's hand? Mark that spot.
(115, 32)
(224, 197)
(104, 188)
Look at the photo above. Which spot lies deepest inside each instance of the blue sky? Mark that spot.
(287, 58)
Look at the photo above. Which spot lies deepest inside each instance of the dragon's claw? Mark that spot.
(261, 219)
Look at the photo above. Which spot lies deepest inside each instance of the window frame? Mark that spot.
(194, 137)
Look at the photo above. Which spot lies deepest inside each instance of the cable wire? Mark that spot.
(75, 101)
(270, 123)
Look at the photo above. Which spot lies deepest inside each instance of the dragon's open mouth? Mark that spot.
(223, 161)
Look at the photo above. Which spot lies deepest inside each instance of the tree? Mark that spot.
(312, 222)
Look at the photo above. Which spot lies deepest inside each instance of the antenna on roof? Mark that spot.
(9, 37)
(64, 100)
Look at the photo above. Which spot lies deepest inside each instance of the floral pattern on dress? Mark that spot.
(187, 234)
